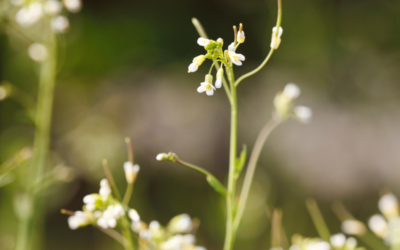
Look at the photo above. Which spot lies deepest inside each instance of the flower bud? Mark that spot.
(197, 61)
(221, 41)
(388, 205)
(283, 100)
(276, 38)
(162, 157)
(378, 225)
(180, 224)
(209, 79)
(353, 227)
(131, 171)
(218, 82)
(133, 214)
(240, 37)
(338, 240)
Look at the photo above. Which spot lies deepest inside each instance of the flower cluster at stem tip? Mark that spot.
(214, 52)
(336, 242)
(284, 107)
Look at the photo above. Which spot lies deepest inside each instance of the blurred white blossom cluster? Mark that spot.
(104, 210)
(387, 224)
(177, 235)
(284, 107)
(30, 12)
(337, 242)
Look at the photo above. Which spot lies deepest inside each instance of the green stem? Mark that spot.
(128, 194)
(30, 225)
(229, 235)
(126, 232)
(251, 167)
(278, 24)
(318, 220)
(212, 66)
(111, 180)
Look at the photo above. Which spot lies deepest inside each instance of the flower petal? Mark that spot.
(193, 67)
(210, 92)
(241, 57)
(201, 89)
(218, 83)
(238, 63)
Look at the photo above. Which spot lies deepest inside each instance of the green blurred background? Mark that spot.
(124, 73)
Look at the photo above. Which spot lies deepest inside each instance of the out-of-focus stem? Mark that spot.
(111, 180)
(276, 228)
(129, 188)
(318, 220)
(126, 232)
(113, 234)
(30, 225)
(251, 167)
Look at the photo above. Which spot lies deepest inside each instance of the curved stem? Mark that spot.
(128, 194)
(194, 167)
(251, 167)
(212, 66)
(278, 24)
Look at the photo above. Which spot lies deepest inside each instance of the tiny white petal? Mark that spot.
(133, 214)
(218, 83)
(241, 57)
(388, 205)
(193, 67)
(60, 24)
(112, 223)
(210, 92)
(338, 240)
(201, 89)
(280, 31)
(238, 63)
(351, 242)
(378, 224)
(104, 183)
(303, 113)
(291, 90)
(73, 5)
(231, 47)
(89, 199)
(102, 222)
(203, 41)
(154, 225)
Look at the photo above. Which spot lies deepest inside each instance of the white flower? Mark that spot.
(90, 201)
(180, 224)
(52, 7)
(145, 234)
(276, 40)
(162, 157)
(29, 15)
(73, 5)
(131, 171)
(294, 247)
(353, 227)
(110, 216)
(388, 205)
(37, 52)
(236, 58)
(319, 245)
(105, 189)
(338, 240)
(232, 47)
(60, 24)
(207, 87)
(133, 214)
(197, 61)
(218, 82)
(77, 220)
(203, 41)
(240, 37)
(303, 113)
(378, 225)
(351, 243)
(291, 90)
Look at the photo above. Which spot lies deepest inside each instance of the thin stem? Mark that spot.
(212, 66)
(278, 24)
(28, 228)
(129, 149)
(194, 167)
(126, 232)
(111, 180)
(229, 235)
(251, 167)
(128, 194)
(114, 234)
(318, 220)
(276, 228)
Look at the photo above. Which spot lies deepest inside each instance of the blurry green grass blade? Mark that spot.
(318, 220)
(239, 163)
(15, 161)
(214, 183)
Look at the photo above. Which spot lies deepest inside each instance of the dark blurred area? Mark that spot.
(124, 73)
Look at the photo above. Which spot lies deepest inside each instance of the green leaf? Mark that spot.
(214, 183)
(239, 162)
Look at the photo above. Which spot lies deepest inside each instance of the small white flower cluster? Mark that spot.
(387, 226)
(100, 209)
(131, 171)
(33, 11)
(339, 242)
(176, 235)
(214, 52)
(301, 243)
(276, 38)
(283, 103)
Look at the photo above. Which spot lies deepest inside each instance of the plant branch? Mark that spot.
(278, 24)
(251, 167)
(318, 220)
(111, 180)
(114, 234)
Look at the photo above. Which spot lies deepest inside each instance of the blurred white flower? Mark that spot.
(292, 91)
(389, 205)
(276, 40)
(338, 240)
(38, 52)
(220, 74)
(145, 234)
(130, 171)
(197, 61)
(353, 227)
(206, 87)
(236, 58)
(203, 41)
(73, 5)
(90, 201)
(351, 243)
(232, 47)
(180, 224)
(378, 225)
(77, 220)
(105, 189)
(110, 216)
(133, 214)
(318, 245)
(162, 157)
(303, 113)
(60, 24)
(53, 7)
(29, 15)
